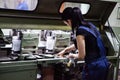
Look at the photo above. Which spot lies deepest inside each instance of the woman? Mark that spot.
(89, 45)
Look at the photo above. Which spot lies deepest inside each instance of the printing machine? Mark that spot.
(46, 17)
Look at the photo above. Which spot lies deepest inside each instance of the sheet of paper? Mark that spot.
(50, 43)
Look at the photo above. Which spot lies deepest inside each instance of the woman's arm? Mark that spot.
(66, 50)
(81, 48)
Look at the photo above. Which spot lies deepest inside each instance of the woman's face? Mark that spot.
(68, 22)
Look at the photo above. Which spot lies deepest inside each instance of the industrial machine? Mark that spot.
(44, 15)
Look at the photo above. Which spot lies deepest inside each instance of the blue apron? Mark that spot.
(96, 69)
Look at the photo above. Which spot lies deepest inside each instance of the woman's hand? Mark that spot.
(71, 55)
(66, 50)
(61, 54)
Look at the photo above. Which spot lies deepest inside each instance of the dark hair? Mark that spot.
(67, 14)
(75, 15)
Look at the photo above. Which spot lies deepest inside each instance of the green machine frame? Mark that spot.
(18, 70)
(112, 41)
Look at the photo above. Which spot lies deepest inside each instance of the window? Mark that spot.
(83, 6)
(28, 5)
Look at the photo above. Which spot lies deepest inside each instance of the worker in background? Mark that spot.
(22, 5)
(89, 44)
